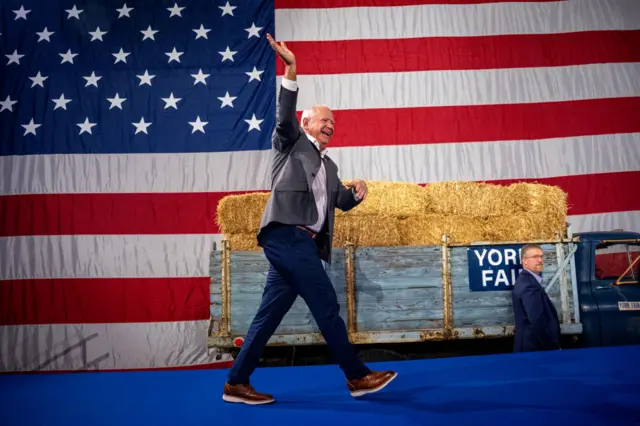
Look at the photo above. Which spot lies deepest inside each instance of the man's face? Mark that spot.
(533, 260)
(320, 125)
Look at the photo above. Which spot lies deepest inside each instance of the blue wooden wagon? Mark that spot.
(398, 294)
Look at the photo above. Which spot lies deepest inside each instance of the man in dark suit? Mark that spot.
(537, 324)
(296, 233)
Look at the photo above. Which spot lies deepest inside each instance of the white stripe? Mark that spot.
(62, 256)
(627, 221)
(105, 346)
(455, 20)
(491, 160)
(468, 87)
(618, 248)
(420, 164)
(174, 172)
(105, 256)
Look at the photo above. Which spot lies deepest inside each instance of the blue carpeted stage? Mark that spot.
(572, 387)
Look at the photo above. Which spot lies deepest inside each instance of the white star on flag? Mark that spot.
(198, 125)
(254, 123)
(45, 35)
(202, 32)
(175, 10)
(149, 33)
(14, 58)
(30, 128)
(97, 34)
(92, 79)
(254, 75)
(124, 11)
(171, 102)
(21, 14)
(74, 13)
(200, 77)
(227, 9)
(38, 80)
(253, 31)
(227, 100)
(7, 104)
(86, 126)
(141, 126)
(174, 55)
(145, 78)
(228, 54)
(67, 57)
(116, 102)
(121, 56)
(61, 102)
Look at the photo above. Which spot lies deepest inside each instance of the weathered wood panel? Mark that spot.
(398, 288)
(248, 273)
(215, 294)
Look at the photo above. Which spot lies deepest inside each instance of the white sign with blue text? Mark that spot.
(493, 268)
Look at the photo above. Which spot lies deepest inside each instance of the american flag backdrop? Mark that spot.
(123, 124)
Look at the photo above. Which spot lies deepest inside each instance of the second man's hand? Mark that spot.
(287, 57)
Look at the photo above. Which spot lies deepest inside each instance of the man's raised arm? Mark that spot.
(287, 126)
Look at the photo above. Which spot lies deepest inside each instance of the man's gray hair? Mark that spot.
(307, 112)
(527, 248)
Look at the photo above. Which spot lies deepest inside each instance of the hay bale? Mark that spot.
(243, 242)
(521, 227)
(395, 199)
(367, 231)
(241, 214)
(478, 199)
(397, 213)
(547, 202)
(427, 229)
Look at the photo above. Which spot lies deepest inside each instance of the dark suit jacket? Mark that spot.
(296, 162)
(537, 323)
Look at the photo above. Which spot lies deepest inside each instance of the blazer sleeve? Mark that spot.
(533, 303)
(346, 199)
(287, 129)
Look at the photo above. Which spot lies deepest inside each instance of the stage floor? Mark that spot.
(572, 387)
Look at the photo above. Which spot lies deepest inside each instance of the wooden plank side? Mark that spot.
(215, 292)
(249, 270)
(398, 288)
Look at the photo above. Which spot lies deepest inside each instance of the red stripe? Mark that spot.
(596, 193)
(91, 214)
(464, 53)
(610, 265)
(323, 4)
(154, 213)
(406, 126)
(103, 300)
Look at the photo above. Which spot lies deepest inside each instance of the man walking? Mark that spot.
(536, 319)
(296, 233)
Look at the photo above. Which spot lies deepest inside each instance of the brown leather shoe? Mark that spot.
(372, 382)
(245, 394)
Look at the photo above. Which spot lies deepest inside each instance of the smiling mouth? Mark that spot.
(327, 132)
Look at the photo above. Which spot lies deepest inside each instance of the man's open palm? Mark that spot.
(281, 49)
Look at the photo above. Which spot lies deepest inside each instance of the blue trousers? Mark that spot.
(295, 269)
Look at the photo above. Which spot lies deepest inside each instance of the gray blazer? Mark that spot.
(296, 162)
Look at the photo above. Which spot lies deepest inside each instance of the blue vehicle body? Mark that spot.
(610, 312)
